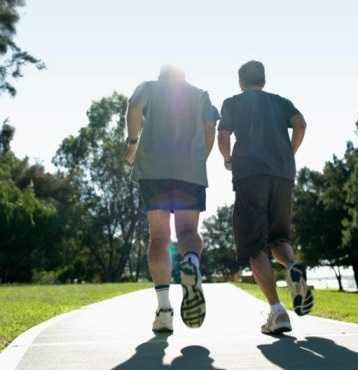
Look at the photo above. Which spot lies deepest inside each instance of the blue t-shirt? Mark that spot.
(172, 144)
(260, 122)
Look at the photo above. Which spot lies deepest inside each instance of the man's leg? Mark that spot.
(280, 216)
(264, 276)
(278, 320)
(280, 221)
(251, 223)
(189, 241)
(193, 306)
(283, 253)
(160, 267)
(158, 255)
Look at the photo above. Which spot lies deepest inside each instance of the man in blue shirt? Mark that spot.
(263, 168)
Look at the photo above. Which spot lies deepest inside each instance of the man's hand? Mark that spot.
(225, 148)
(131, 153)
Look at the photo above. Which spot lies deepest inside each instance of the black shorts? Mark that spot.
(172, 195)
(262, 214)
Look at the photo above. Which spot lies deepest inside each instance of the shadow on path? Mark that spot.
(149, 356)
(313, 353)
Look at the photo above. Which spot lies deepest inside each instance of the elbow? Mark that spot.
(299, 123)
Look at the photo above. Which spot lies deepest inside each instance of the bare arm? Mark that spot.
(134, 120)
(225, 147)
(209, 136)
(134, 126)
(299, 127)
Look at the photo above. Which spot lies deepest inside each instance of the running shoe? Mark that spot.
(193, 306)
(163, 322)
(302, 298)
(277, 323)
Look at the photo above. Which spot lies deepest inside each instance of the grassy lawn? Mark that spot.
(328, 303)
(22, 307)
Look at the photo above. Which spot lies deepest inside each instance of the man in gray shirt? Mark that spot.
(177, 125)
(263, 167)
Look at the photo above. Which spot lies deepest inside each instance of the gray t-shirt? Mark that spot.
(260, 121)
(172, 143)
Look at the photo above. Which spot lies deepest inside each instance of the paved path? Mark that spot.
(116, 335)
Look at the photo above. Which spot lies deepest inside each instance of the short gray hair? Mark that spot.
(252, 74)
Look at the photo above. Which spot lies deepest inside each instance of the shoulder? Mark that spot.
(232, 100)
(196, 90)
(145, 85)
(279, 98)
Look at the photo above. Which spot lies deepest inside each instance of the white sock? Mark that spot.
(163, 296)
(277, 307)
(193, 258)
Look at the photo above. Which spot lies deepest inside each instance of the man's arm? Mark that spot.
(134, 126)
(134, 120)
(225, 147)
(209, 137)
(298, 124)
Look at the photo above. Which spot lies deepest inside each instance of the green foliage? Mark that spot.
(112, 226)
(325, 213)
(350, 223)
(22, 307)
(26, 223)
(13, 57)
(219, 257)
(6, 135)
(36, 210)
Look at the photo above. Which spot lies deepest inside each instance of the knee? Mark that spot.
(187, 234)
(158, 243)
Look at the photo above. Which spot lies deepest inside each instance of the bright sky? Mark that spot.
(91, 48)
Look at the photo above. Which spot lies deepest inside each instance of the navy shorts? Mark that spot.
(172, 195)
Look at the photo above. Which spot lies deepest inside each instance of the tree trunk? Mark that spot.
(123, 259)
(355, 270)
(130, 266)
(139, 260)
(338, 277)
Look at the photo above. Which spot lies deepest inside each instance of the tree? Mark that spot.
(6, 135)
(325, 213)
(38, 216)
(350, 222)
(219, 257)
(317, 226)
(27, 223)
(112, 221)
(14, 58)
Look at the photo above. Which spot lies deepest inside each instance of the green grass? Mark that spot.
(328, 303)
(22, 307)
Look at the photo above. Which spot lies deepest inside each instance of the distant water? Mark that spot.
(324, 278)
(332, 283)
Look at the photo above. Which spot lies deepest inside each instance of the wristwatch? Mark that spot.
(131, 141)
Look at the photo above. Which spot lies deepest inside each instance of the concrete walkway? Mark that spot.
(116, 335)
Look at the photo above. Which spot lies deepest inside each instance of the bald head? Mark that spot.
(171, 72)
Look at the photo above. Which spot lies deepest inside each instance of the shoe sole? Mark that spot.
(302, 297)
(278, 331)
(193, 307)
